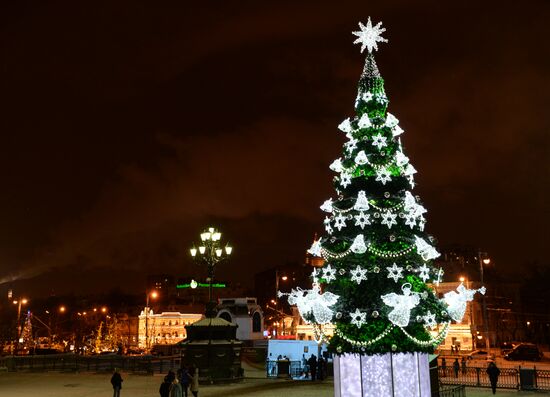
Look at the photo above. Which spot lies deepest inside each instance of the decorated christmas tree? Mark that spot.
(375, 282)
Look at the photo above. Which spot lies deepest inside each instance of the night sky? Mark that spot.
(129, 126)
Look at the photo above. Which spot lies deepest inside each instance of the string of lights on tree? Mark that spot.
(375, 282)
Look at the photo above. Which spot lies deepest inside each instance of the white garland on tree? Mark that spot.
(457, 301)
(402, 305)
(312, 302)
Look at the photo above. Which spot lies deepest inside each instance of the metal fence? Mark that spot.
(509, 378)
(451, 391)
(77, 363)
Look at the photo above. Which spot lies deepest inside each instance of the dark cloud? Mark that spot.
(127, 128)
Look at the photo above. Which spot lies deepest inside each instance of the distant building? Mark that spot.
(246, 313)
(165, 327)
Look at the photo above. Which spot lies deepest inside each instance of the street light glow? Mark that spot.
(284, 278)
(154, 294)
(62, 309)
(486, 261)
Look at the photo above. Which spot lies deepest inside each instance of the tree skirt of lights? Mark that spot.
(382, 375)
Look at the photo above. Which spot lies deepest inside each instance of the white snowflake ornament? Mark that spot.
(379, 141)
(389, 219)
(345, 179)
(358, 318)
(383, 175)
(358, 274)
(423, 272)
(329, 273)
(362, 219)
(369, 35)
(429, 320)
(339, 222)
(395, 272)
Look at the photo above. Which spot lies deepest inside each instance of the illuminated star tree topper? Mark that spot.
(369, 35)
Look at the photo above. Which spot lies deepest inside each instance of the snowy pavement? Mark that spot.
(96, 385)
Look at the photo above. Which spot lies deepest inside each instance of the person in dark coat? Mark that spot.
(164, 389)
(313, 366)
(493, 372)
(116, 381)
(183, 377)
(463, 365)
(443, 366)
(321, 368)
(456, 367)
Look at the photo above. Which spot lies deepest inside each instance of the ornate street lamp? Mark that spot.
(210, 252)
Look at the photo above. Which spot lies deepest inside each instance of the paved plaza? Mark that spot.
(96, 385)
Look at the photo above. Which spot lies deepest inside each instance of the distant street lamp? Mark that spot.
(210, 252)
(19, 302)
(484, 260)
(153, 295)
(278, 279)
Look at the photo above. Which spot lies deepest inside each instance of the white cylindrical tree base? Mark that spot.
(382, 375)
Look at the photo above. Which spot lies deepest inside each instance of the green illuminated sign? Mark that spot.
(204, 285)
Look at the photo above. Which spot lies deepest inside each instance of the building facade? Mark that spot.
(246, 314)
(164, 328)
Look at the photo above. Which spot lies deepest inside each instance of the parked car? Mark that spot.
(478, 355)
(524, 351)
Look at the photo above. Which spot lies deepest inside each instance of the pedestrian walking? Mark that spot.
(493, 372)
(444, 366)
(164, 389)
(463, 364)
(312, 361)
(116, 381)
(183, 377)
(305, 366)
(194, 380)
(456, 367)
(175, 389)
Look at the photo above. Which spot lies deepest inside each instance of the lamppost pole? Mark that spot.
(153, 295)
(210, 252)
(483, 300)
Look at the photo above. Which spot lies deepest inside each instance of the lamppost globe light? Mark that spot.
(284, 278)
(216, 236)
(154, 294)
(219, 252)
(462, 279)
(228, 249)
(202, 249)
(486, 261)
(205, 236)
(193, 251)
(211, 229)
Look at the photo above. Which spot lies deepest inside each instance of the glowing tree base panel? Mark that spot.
(386, 375)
